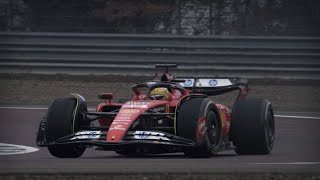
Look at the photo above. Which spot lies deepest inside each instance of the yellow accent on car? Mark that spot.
(159, 92)
(74, 111)
(223, 118)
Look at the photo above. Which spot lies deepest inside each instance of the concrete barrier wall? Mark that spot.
(132, 54)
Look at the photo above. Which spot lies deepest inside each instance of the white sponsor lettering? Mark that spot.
(142, 96)
(213, 82)
(187, 82)
(201, 125)
(132, 104)
(123, 117)
(151, 83)
(87, 135)
(119, 122)
(128, 111)
(149, 135)
(118, 127)
(206, 82)
(135, 106)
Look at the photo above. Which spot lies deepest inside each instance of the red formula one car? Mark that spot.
(165, 115)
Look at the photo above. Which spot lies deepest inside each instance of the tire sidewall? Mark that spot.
(249, 126)
(64, 118)
(268, 112)
(190, 115)
(206, 107)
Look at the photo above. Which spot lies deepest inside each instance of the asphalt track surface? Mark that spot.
(296, 150)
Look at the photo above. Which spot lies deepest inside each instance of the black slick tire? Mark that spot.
(252, 127)
(59, 123)
(188, 118)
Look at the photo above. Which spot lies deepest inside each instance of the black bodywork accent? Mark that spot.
(129, 139)
(237, 84)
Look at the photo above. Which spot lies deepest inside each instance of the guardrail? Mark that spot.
(132, 54)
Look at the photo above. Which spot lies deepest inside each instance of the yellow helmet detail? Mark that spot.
(159, 93)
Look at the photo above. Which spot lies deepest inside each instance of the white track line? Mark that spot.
(92, 109)
(24, 108)
(12, 149)
(297, 117)
(288, 163)
(34, 108)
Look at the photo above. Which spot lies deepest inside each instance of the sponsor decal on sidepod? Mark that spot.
(118, 127)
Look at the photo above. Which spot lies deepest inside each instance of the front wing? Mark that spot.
(132, 138)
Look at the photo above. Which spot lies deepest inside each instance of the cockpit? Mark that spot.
(158, 91)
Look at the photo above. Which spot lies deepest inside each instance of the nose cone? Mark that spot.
(127, 115)
(122, 123)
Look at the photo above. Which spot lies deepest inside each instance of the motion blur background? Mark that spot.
(183, 17)
(286, 57)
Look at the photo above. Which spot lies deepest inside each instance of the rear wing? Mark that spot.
(214, 86)
(212, 83)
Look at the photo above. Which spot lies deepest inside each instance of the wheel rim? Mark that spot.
(213, 129)
(270, 128)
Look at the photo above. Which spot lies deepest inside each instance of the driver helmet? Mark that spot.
(159, 93)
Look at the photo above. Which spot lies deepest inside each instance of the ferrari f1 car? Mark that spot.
(165, 115)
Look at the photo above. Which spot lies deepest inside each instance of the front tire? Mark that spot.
(252, 126)
(61, 120)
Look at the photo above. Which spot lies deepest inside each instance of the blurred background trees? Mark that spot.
(185, 17)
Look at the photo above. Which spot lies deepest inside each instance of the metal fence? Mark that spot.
(132, 54)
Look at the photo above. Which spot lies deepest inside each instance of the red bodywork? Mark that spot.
(183, 120)
(131, 110)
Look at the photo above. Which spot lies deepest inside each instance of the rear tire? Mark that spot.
(59, 123)
(252, 126)
(189, 117)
